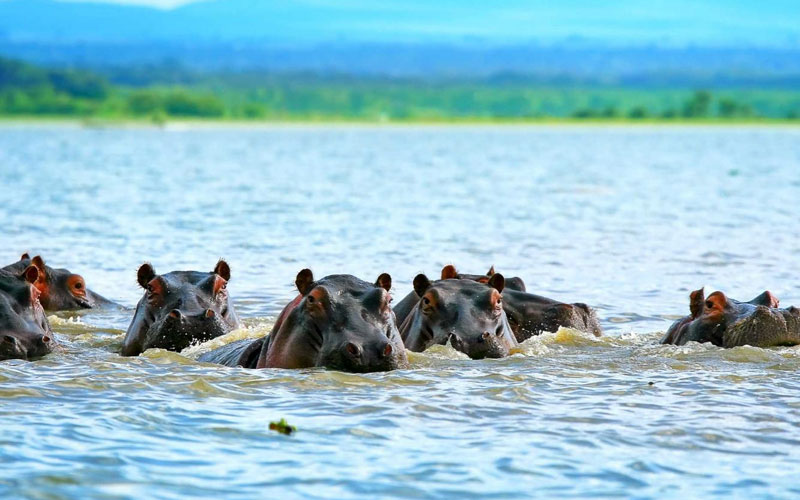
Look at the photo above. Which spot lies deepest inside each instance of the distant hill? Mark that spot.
(711, 43)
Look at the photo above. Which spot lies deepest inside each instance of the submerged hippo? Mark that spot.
(24, 330)
(513, 283)
(468, 314)
(60, 290)
(405, 306)
(338, 322)
(729, 323)
(530, 315)
(180, 308)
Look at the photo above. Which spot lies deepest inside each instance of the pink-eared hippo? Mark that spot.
(179, 309)
(726, 322)
(465, 313)
(24, 330)
(60, 289)
(339, 322)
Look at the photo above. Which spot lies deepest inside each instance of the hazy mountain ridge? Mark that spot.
(645, 66)
(412, 40)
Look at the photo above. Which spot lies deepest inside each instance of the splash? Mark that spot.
(254, 331)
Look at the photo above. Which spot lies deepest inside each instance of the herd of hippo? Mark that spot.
(343, 323)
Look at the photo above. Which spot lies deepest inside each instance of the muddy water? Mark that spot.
(628, 220)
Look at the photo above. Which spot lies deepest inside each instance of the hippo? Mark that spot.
(180, 308)
(405, 306)
(530, 315)
(513, 283)
(466, 313)
(338, 322)
(24, 330)
(60, 289)
(726, 322)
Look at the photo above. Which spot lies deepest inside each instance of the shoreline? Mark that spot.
(134, 123)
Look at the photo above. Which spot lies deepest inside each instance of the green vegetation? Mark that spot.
(282, 426)
(27, 90)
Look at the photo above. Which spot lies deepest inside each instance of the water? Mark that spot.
(627, 219)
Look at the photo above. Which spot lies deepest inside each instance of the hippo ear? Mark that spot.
(716, 302)
(145, 274)
(384, 281)
(696, 300)
(421, 283)
(766, 299)
(38, 261)
(31, 274)
(304, 281)
(223, 269)
(771, 300)
(498, 282)
(449, 272)
(491, 271)
(25, 256)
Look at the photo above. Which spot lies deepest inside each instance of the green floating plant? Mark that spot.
(282, 427)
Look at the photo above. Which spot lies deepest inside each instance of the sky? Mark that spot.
(704, 22)
(161, 4)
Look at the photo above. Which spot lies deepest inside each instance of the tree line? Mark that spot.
(29, 90)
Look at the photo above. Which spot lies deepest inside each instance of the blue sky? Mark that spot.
(681, 22)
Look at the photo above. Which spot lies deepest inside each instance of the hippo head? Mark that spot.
(60, 290)
(466, 313)
(577, 315)
(24, 330)
(727, 322)
(180, 308)
(339, 322)
(449, 272)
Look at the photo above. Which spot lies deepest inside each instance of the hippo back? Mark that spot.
(242, 353)
(531, 315)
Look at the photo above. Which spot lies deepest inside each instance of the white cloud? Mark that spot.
(160, 4)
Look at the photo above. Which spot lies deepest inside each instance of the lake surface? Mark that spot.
(627, 219)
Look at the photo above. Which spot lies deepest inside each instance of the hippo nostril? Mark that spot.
(210, 314)
(353, 349)
(175, 314)
(486, 335)
(387, 350)
(46, 339)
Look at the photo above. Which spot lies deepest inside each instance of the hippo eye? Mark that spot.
(78, 285)
(311, 299)
(426, 301)
(709, 304)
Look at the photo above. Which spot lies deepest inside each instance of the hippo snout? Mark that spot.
(178, 317)
(175, 316)
(180, 328)
(43, 346)
(359, 357)
(485, 345)
(12, 348)
(35, 346)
